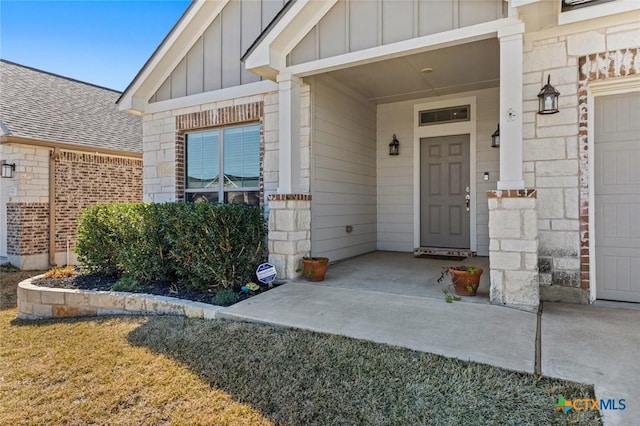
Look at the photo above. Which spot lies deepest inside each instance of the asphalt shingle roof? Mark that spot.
(39, 105)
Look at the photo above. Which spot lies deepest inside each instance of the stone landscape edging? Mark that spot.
(35, 302)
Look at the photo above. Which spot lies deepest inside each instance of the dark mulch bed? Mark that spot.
(104, 283)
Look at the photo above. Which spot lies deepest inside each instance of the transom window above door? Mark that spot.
(444, 115)
(223, 165)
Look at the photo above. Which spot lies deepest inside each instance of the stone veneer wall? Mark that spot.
(289, 215)
(513, 247)
(289, 232)
(163, 141)
(36, 302)
(163, 173)
(555, 146)
(83, 180)
(29, 185)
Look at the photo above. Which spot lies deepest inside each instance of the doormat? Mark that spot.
(443, 253)
(441, 257)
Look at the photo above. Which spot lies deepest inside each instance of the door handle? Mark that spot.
(467, 201)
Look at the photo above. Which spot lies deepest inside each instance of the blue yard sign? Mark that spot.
(266, 273)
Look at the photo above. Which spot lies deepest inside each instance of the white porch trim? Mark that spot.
(511, 50)
(268, 58)
(435, 41)
(229, 93)
(289, 134)
(466, 127)
(597, 11)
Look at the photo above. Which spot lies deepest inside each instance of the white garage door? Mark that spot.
(617, 197)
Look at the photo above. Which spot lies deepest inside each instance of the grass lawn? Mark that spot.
(173, 370)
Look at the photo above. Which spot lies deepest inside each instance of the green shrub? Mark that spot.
(220, 243)
(126, 283)
(225, 298)
(202, 245)
(99, 238)
(144, 255)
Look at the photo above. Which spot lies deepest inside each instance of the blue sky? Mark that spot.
(103, 42)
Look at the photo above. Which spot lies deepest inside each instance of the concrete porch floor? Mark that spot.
(402, 273)
(393, 298)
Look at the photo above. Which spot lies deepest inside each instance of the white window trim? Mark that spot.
(446, 129)
(221, 189)
(597, 11)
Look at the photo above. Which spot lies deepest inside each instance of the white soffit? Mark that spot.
(456, 69)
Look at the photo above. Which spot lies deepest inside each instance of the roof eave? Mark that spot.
(7, 139)
(267, 55)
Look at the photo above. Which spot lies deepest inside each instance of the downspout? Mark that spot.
(53, 155)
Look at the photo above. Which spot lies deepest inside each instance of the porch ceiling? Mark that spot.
(462, 68)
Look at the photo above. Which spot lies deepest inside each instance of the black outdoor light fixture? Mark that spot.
(548, 98)
(394, 146)
(495, 138)
(8, 169)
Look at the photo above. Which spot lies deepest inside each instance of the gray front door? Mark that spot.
(617, 197)
(444, 184)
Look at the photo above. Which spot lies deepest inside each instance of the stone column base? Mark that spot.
(513, 247)
(289, 232)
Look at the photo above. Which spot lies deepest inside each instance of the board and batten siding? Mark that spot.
(214, 60)
(343, 183)
(395, 173)
(356, 25)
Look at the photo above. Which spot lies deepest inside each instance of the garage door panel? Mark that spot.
(617, 271)
(619, 168)
(627, 244)
(617, 118)
(617, 197)
(618, 220)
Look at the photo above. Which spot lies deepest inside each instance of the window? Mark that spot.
(444, 115)
(572, 11)
(236, 152)
(577, 4)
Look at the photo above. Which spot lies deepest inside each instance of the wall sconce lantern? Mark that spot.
(8, 169)
(495, 138)
(394, 146)
(548, 98)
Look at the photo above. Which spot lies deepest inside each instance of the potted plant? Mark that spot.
(465, 279)
(314, 268)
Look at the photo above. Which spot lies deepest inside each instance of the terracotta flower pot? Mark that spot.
(465, 283)
(314, 268)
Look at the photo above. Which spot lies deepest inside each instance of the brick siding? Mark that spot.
(83, 180)
(594, 67)
(27, 228)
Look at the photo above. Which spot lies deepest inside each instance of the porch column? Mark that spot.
(511, 107)
(289, 134)
(513, 247)
(513, 224)
(289, 232)
(290, 208)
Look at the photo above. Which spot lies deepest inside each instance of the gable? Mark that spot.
(356, 25)
(213, 62)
